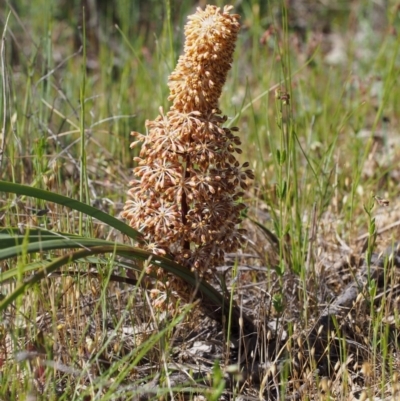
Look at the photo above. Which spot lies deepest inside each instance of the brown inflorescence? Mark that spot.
(185, 198)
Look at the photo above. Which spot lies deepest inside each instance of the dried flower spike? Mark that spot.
(197, 81)
(187, 181)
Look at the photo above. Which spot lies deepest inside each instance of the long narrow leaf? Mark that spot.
(212, 300)
(44, 246)
(269, 234)
(123, 250)
(72, 204)
(11, 236)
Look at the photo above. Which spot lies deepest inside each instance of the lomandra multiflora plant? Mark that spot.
(185, 197)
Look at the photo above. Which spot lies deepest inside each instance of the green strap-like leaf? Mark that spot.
(45, 246)
(214, 302)
(72, 204)
(269, 234)
(11, 236)
(122, 250)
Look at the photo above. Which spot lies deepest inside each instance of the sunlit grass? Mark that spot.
(319, 128)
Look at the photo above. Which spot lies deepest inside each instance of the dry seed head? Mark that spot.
(363, 396)
(366, 369)
(324, 384)
(395, 389)
(337, 366)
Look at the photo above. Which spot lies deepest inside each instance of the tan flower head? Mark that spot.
(197, 81)
(185, 197)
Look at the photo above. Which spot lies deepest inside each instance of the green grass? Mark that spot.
(319, 158)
